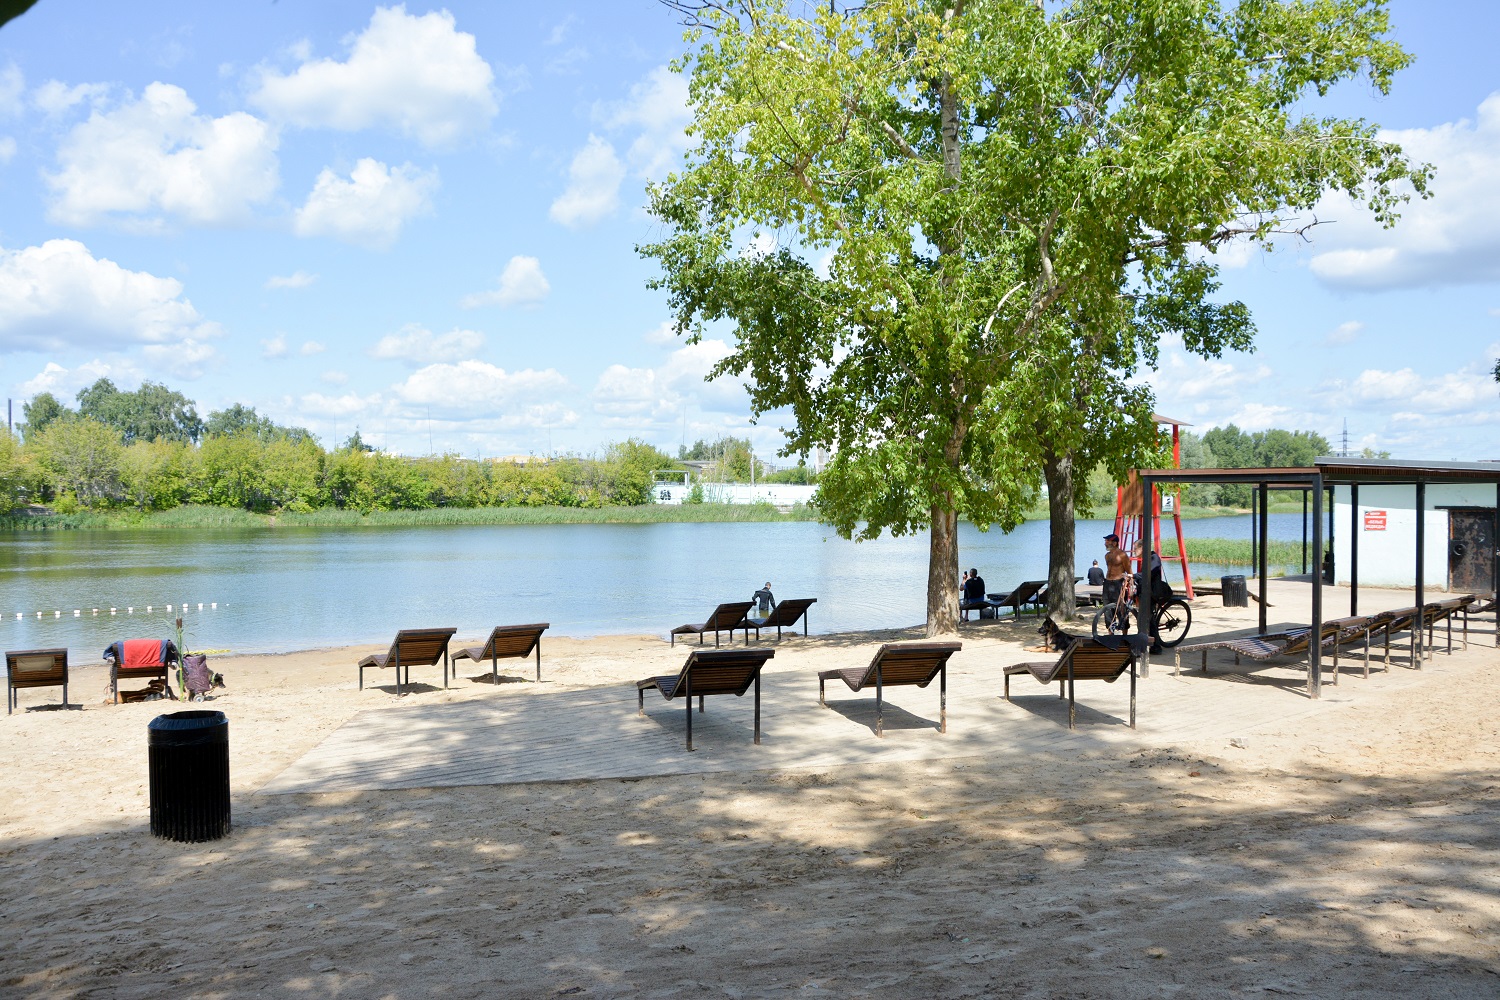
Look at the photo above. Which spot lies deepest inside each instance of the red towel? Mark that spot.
(144, 653)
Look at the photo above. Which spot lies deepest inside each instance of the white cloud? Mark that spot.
(415, 74)
(658, 109)
(187, 359)
(274, 348)
(7, 149)
(1468, 390)
(64, 383)
(12, 86)
(310, 347)
(561, 29)
(58, 295)
(370, 207)
(593, 190)
(297, 279)
(478, 386)
(55, 97)
(418, 346)
(1345, 333)
(334, 377)
(662, 334)
(630, 397)
(521, 283)
(156, 156)
(349, 404)
(1452, 238)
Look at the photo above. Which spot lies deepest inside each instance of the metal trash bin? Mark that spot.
(189, 757)
(1236, 594)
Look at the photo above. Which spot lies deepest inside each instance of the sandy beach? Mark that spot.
(1345, 847)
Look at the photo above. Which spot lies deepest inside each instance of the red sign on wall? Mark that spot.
(1374, 520)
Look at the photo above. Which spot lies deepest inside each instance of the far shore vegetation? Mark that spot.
(144, 459)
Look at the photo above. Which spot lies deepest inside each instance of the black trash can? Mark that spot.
(1236, 594)
(189, 755)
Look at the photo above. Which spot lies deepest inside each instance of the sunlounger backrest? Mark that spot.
(727, 617)
(721, 671)
(909, 662)
(37, 667)
(513, 640)
(787, 612)
(1094, 661)
(418, 647)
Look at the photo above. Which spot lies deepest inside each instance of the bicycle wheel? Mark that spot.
(1173, 621)
(1110, 622)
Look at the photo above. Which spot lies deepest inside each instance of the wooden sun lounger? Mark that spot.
(33, 668)
(1086, 660)
(899, 663)
(1337, 633)
(784, 615)
(726, 618)
(507, 641)
(1486, 607)
(419, 647)
(717, 671)
(1446, 611)
(1026, 595)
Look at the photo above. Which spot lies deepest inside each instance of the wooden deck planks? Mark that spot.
(595, 733)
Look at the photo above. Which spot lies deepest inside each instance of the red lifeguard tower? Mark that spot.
(1128, 507)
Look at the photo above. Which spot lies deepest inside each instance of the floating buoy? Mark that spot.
(111, 610)
(39, 614)
(130, 611)
(96, 611)
(18, 616)
(200, 605)
(76, 612)
(214, 605)
(169, 609)
(57, 614)
(148, 609)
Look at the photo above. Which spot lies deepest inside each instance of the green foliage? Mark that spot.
(82, 457)
(1009, 204)
(241, 419)
(41, 410)
(151, 413)
(1271, 449)
(16, 476)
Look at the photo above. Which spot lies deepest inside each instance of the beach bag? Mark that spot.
(196, 676)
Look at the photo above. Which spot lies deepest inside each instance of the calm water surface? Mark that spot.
(301, 588)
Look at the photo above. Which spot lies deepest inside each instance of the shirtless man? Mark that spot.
(1117, 564)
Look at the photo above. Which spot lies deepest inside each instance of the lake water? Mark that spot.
(300, 588)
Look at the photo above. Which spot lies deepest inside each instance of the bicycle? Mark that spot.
(1173, 617)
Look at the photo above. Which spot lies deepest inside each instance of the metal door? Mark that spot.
(1471, 550)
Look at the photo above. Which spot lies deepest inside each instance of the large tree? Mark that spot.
(151, 413)
(944, 229)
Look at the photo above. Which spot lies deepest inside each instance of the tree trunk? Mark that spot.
(942, 573)
(1061, 602)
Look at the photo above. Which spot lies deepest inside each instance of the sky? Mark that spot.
(420, 221)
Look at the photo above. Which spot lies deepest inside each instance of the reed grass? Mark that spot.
(1237, 552)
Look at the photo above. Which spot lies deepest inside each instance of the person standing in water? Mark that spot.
(765, 602)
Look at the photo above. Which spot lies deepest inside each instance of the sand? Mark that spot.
(1350, 851)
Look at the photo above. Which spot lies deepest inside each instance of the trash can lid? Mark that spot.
(199, 719)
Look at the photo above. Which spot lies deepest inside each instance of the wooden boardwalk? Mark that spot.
(594, 733)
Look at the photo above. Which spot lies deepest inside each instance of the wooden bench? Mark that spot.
(726, 617)
(706, 672)
(419, 647)
(507, 641)
(33, 668)
(784, 615)
(899, 663)
(1086, 660)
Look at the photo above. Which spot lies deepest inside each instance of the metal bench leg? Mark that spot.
(640, 701)
(1007, 687)
(879, 704)
(539, 660)
(1132, 696)
(687, 700)
(943, 699)
(757, 710)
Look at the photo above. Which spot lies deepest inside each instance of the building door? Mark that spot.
(1471, 550)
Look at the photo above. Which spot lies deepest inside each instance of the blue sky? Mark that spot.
(421, 221)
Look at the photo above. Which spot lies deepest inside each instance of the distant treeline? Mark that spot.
(1228, 447)
(148, 450)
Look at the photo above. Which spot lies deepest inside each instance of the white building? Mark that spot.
(1380, 519)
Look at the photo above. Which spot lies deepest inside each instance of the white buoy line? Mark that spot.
(149, 609)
